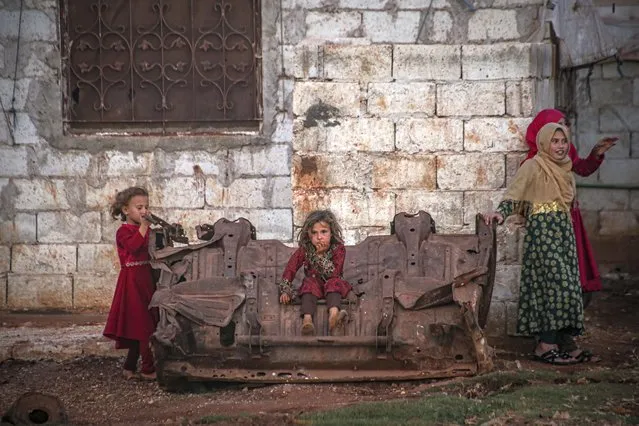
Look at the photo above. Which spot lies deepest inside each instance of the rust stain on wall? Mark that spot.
(473, 137)
(309, 172)
(481, 176)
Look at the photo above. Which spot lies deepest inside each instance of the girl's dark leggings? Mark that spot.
(309, 302)
(139, 349)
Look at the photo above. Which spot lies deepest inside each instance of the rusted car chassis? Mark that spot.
(421, 300)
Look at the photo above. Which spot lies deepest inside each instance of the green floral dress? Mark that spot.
(550, 291)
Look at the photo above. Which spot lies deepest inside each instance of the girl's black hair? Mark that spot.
(320, 216)
(122, 199)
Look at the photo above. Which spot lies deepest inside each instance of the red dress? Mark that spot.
(322, 274)
(588, 269)
(130, 317)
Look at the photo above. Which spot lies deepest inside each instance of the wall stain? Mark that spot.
(321, 113)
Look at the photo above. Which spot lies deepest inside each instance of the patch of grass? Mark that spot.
(572, 404)
(215, 418)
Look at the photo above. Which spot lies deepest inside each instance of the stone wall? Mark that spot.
(607, 104)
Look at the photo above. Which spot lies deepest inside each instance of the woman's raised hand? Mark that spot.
(604, 145)
(285, 299)
(489, 217)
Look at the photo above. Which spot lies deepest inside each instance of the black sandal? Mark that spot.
(552, 356)
(586, 356)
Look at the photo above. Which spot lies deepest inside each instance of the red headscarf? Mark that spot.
(544, 117)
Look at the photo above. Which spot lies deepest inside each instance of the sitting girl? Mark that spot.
(322, 252)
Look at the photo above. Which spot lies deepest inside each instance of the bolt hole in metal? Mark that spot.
(412, 229)
(230, 235)
(38, 417)
(386, 276)
(459, 357)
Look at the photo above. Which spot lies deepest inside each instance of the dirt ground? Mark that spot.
(93, 391)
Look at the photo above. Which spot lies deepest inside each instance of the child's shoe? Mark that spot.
(333, 316)
(149, 376)
(129, 375)
(308, 329)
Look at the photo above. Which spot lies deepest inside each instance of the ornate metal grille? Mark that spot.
(161, 65)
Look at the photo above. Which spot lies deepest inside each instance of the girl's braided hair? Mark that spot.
(122, 199)
(314, 217)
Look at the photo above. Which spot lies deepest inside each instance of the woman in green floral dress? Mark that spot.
(550, 302)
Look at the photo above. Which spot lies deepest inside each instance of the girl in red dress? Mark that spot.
(321, 251)
(130, 322)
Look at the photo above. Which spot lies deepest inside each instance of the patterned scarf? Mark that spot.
(322, 263)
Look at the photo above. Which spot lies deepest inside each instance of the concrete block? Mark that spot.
(444, 207)
(480, 202)
(419, 4)
(386, 27)
(635, 96)
(405, 171)
(430, 135)
(615, 171)
(39, 291)
(193, 163)
(362, 4)
(14, 161)
(608, 92)
(3, 298)
(470, 171)
(493, 24)
(619, 118)
(619, 223)
(628, 69)
(55, 163)
(19, 229)
(21, 93)
(496, 321)
(328, 25)
(36, 25)
(355, 208)
(43, 258)
(292, 25)
(634, 144)
(442, 27)
(65, 227)
(343, 135)
(512, 316)
(520, 98)
(496, 61)
(427, 62)
(358, 63)
(513, 161)
(25, 132)
(281, 192)
(511, 3)
(496, 134)
(302, 61)
(317, 99)
(41, 194)
(104, 195)
(509, 239)
(634, 200)
(5, 259)
(120, 164)
(389, 99)
(331, 171)
(182, 192)
(507, 283)
(276, 224)
(590, 220)
(93, 291)
(243, 192)
(283, 132)
(261, 160)
(471, 98)
(98, 258)
(603, 199)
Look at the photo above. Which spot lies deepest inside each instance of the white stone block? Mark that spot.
(635, 96)
(506, 286)
(98, 258)
(405, 171)
(21, 93)
(243, 192)
(345, 97)
(429, 135)
(39, 291)
(275, 224)
(513, 162)
(65, 227)
(471, 98)
(56, 163)
(363, 4)
(20, 229)
(103, 196)
(389, 99)
(283, 128)
(496, 134)
(93, 291)
(493, 24)
(43, 258)
(261, 160)
(476, 202)
(355, 208)
(520, 98)
(444, 207)
(510, 3)
(364, 134)
(120, 164)
(182, 192)
(5, 259)
(36, 25)
(14, 161)
(25, 132)
(419, 4)
(496, 61)
(620, 223)
(386, 27)
(470, 171)
(302, 61)
(619, 118)
(282, 193)
(442, 26)
(625, 172)
(603, 199)
(358, 63)
(331, 171)
(41, 194)
(194, 163)
(324, 25)
(496, 321)
(427, 62)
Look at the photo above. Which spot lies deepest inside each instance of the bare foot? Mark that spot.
(149, 376)
(129, 375)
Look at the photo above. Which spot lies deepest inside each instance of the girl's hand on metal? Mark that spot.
(285, 299)
(490, 217)
(604, 145)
